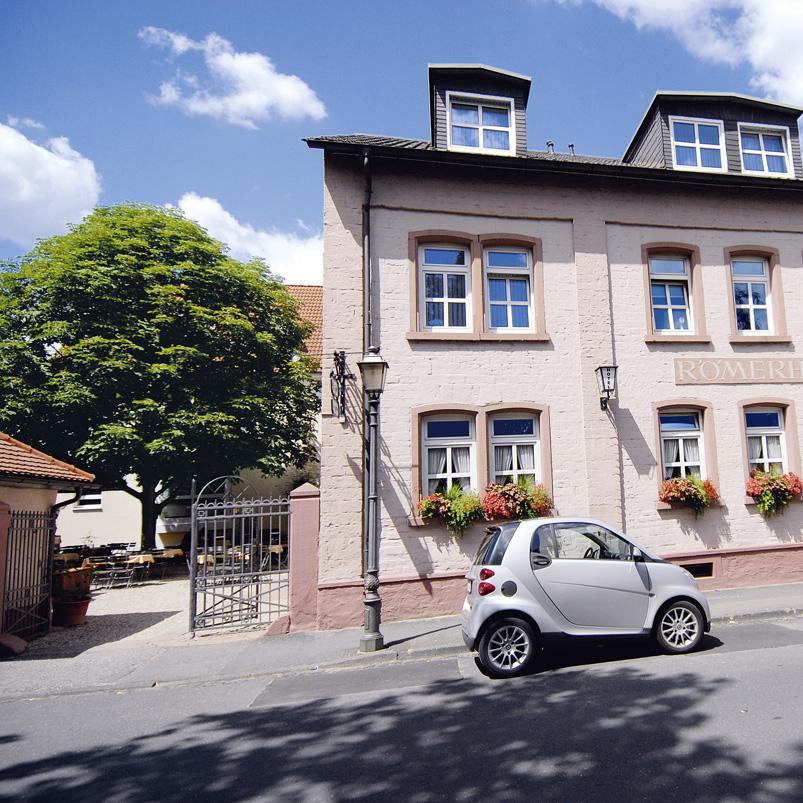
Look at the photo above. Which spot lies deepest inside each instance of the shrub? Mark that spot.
(521, 500)
(689, 491)
(772, 492)
(456, 508)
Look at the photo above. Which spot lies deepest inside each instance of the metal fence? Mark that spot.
(28, 574)
(239, 572)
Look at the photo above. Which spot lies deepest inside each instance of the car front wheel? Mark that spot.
(507, 647)
(679, 627)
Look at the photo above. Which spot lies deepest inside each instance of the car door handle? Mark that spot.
(540, 562)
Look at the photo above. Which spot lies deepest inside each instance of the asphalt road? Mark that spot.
(596, 722)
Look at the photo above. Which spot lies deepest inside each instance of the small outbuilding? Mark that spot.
(29, 482)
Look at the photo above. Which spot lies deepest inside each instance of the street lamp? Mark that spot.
(373, 370)
(606, 378)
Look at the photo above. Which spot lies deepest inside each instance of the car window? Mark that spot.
(544, 542)
(582, 541)
(495, 544)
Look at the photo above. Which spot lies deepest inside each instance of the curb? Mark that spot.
(745, 617)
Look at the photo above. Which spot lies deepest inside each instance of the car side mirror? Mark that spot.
(638, 555)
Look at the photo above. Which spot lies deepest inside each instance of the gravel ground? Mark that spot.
(154, 612)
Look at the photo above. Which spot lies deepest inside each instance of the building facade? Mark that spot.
(496, 280)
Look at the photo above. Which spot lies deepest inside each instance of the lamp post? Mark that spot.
(373, 370)
(606, 379)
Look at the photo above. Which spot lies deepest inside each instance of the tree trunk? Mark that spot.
(150, 512)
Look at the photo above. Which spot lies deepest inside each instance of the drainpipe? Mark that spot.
(367, 337)
(367, 331)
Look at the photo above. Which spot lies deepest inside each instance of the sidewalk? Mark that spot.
(144, 663)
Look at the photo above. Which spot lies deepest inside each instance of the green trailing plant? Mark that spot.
(691, 492)
(772, 492)
(457, 508)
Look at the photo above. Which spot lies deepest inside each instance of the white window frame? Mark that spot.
(508, 273)
(465, 270)
(428, 443)
(94, 501)
(777, 130)
(671, 278)
(750, 306)
(680, 436)
(515, 441)
(695, 121)
(763, 432)
(470, 99)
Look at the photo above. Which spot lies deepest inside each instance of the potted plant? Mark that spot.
(772, 492)
(516, 500)
(71, 596)
(689, 492)
(456, 508)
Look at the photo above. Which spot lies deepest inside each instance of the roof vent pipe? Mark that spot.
(571, 148)
(550, 146)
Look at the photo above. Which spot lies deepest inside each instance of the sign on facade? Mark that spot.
(738, 371)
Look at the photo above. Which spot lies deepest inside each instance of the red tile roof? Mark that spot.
(17, 459)
(310, 297)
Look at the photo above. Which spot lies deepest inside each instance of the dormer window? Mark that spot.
(698, 144)
(481, 124)
(765, 151)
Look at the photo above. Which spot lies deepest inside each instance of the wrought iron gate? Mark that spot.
(239, 573)
(28, 574)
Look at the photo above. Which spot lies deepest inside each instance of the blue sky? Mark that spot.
(81, 121)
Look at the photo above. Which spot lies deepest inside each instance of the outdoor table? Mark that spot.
(140, 560)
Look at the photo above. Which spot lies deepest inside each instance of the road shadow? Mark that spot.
(565, 652)
(68, 642)
(615, 734)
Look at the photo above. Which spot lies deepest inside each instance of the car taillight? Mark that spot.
(486, 573)
(485, 588)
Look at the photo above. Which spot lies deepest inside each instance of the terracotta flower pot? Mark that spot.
(69, 613)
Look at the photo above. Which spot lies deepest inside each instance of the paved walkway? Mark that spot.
(147, 645)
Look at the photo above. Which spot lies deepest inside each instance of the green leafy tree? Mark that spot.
(135, 346)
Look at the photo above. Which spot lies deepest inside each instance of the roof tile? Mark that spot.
(20, 460)
(310, 297)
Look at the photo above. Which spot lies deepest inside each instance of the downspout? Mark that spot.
(367, 338)
(367, 330)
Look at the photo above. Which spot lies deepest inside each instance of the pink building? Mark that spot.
(496, 280)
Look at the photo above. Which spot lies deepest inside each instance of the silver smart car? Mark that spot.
(577, 577)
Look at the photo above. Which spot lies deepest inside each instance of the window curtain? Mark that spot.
(774, 447)
(461, 460)
(526, 458)
(691, 450)
(436, 461)
(754, 450)
(671, 450)
(503, 459)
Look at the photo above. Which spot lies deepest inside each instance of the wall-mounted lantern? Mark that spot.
(338, 377)
(606, 378)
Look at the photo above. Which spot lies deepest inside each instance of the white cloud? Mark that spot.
(42, 187)
(298, 259)
(244, 88)
(763, 34)
(23, 122)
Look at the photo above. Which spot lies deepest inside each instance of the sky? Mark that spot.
(203, 104)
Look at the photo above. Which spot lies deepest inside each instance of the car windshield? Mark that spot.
(495, 544)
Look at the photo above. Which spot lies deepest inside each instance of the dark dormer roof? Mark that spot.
(477, 78)
(701, 98)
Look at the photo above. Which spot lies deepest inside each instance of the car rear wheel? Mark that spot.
(679, 627)
(507, 647)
